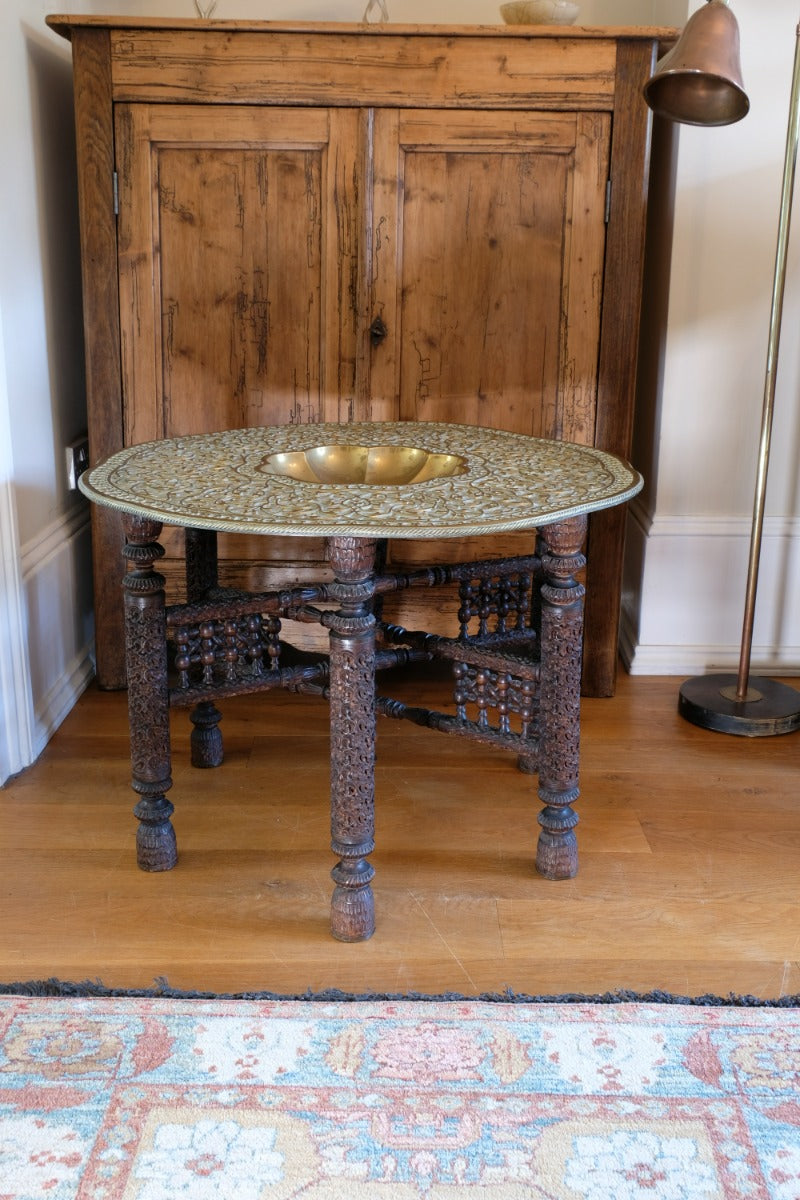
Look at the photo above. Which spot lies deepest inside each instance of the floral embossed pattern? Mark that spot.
(160, 1099)
(223, 481)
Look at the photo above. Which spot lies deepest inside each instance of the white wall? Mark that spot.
(690, 531)
(45, 607)
(16, 721)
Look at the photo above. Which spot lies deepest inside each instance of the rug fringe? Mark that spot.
(91, 988)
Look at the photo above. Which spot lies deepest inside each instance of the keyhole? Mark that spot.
(377, 331)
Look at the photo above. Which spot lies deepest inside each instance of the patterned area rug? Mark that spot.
(120, 1098)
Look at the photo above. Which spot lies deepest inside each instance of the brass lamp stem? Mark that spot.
(790, 162)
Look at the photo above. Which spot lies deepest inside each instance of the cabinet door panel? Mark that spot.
(487, 268)
(239, 266)
(491, 235)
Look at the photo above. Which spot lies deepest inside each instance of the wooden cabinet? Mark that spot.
(335, 222)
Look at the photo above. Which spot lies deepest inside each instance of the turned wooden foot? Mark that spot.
(352, 903)
(557, 848)
(156, 847)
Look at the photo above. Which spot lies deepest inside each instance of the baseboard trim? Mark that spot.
(688, 661)
(61, 698)
(683, 595)
(56, 576)
(16, 726)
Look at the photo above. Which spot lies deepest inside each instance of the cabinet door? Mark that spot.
(487, 266)
(487, 270)
(239, 236)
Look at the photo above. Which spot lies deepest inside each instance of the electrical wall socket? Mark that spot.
(77, 458)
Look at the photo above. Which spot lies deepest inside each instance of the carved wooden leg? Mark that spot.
(148, 697)
(201, 575)
(529, 763)
(352, 716)
(560, 692)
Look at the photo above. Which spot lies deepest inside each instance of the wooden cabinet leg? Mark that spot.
(560, 690)
(352, 718)
(148, 695)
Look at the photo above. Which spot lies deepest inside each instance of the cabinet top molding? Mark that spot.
(63, 24)
(184, 61)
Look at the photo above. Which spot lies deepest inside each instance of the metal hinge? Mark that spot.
(608, 201)
(115, 186)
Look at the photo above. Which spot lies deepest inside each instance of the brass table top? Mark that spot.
(239, 481)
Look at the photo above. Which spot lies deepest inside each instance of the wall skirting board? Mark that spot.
(684, 593)
(55, 629)
(16, 714)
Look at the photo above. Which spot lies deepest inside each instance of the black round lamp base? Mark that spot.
(770, 708)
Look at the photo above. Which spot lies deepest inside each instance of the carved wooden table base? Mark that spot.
(516, 662)
(549, 744)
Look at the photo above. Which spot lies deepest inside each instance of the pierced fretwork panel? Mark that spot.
(495, 699)
(495, 605)
(225, 650)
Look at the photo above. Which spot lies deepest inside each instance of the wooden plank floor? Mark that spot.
(689, 874)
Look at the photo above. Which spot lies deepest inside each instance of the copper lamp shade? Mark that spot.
(699, 82)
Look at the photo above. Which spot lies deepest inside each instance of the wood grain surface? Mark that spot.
(689, 859)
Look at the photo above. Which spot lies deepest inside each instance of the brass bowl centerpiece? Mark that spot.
(381, 466)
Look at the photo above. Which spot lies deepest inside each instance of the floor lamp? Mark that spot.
(699, 83)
